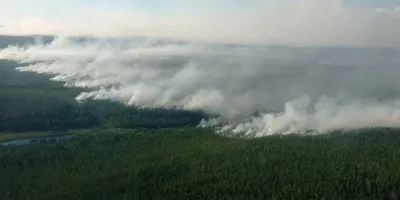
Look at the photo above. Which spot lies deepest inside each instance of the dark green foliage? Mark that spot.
(189, 163)
(115, 115)
(196, 164)
(30, 102)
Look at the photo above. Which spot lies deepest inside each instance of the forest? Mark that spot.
(30, 102)
(120, 152)
(194, 163)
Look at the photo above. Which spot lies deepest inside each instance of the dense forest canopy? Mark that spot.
(194, 163)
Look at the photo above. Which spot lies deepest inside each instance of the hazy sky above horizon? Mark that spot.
(321, 22)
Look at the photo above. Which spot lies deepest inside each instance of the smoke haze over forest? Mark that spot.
(296, 65)
(254, 89)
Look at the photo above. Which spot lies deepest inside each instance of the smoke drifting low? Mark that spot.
(255, 90)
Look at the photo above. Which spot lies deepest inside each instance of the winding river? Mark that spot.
(19, 142)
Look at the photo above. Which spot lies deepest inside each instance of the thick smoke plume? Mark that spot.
(255, 90)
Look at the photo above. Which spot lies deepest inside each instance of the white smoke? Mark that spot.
(326, 116)
(256, 90)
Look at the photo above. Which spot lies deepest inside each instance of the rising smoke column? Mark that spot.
(255, 90)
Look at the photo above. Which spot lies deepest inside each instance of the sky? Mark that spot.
(304, 22)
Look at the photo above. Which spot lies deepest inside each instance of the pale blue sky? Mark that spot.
(159, 5)
(230, 20)
(54, 7)
(375, 3)
(166, 4)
